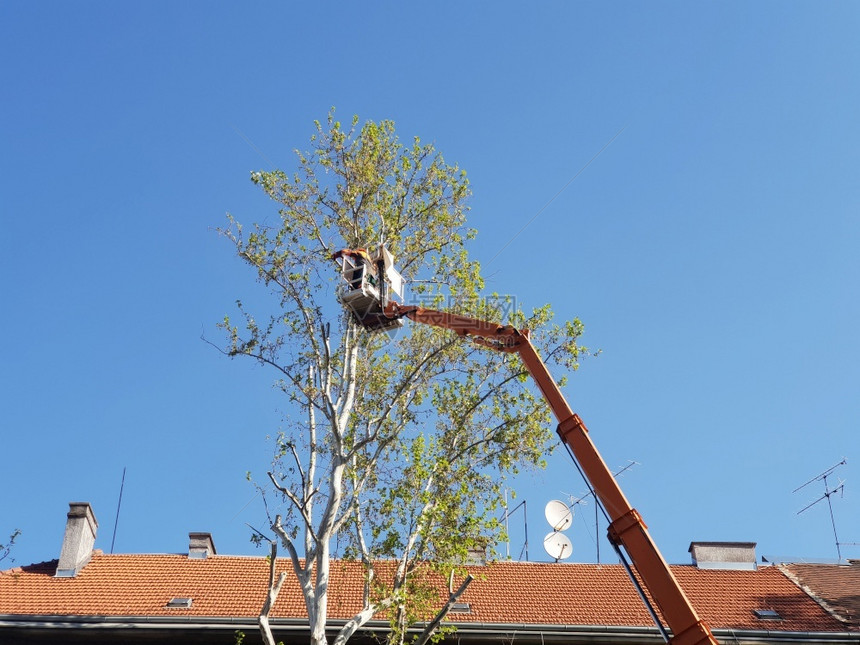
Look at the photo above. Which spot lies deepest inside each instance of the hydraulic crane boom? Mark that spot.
(626, 528)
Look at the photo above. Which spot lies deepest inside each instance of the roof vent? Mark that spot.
(724, 555)
(78, 540)
(179, 603)
(200, 545)
(767, 614)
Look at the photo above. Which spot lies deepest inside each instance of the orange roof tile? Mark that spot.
(838, 586)
(511, 593)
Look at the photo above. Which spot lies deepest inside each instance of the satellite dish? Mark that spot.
(558, 545)
(559, 516)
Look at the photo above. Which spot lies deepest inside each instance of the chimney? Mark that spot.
(476, 553)
(200, 545)
(78, 540)
(723, 555)
(476, 556)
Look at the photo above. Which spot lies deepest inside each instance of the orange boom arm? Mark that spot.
(626, 527)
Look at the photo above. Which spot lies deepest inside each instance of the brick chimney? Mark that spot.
(200, 545)
(78, 540)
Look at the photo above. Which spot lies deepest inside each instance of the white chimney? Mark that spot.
(723, 555)
(200, 545)
(78, 540)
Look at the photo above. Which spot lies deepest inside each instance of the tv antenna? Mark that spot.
(505, 517)
(828, 493)
(118, 506)
(582, 499)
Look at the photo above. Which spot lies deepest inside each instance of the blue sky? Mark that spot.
(711, 250)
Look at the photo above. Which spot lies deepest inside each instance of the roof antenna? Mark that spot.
(504, 518)
(118, 505)
(573, 500)
(822, 477)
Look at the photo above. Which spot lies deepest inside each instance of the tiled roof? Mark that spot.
(838, 586)
(510, 593)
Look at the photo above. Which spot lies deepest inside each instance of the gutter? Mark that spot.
(471, 631)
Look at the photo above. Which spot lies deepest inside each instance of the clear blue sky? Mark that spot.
(711, 249)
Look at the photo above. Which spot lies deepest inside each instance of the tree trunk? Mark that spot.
(271, 597)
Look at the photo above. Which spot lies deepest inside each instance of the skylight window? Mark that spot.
(461, 608)
(767, 614)
(179, 603)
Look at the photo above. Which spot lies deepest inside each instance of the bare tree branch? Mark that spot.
(431, 628)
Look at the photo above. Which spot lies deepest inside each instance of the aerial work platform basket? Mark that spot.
(369, 282)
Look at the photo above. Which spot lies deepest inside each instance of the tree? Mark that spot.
(6, 549)
(395, 446)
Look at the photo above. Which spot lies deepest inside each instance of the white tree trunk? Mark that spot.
(275, 585)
